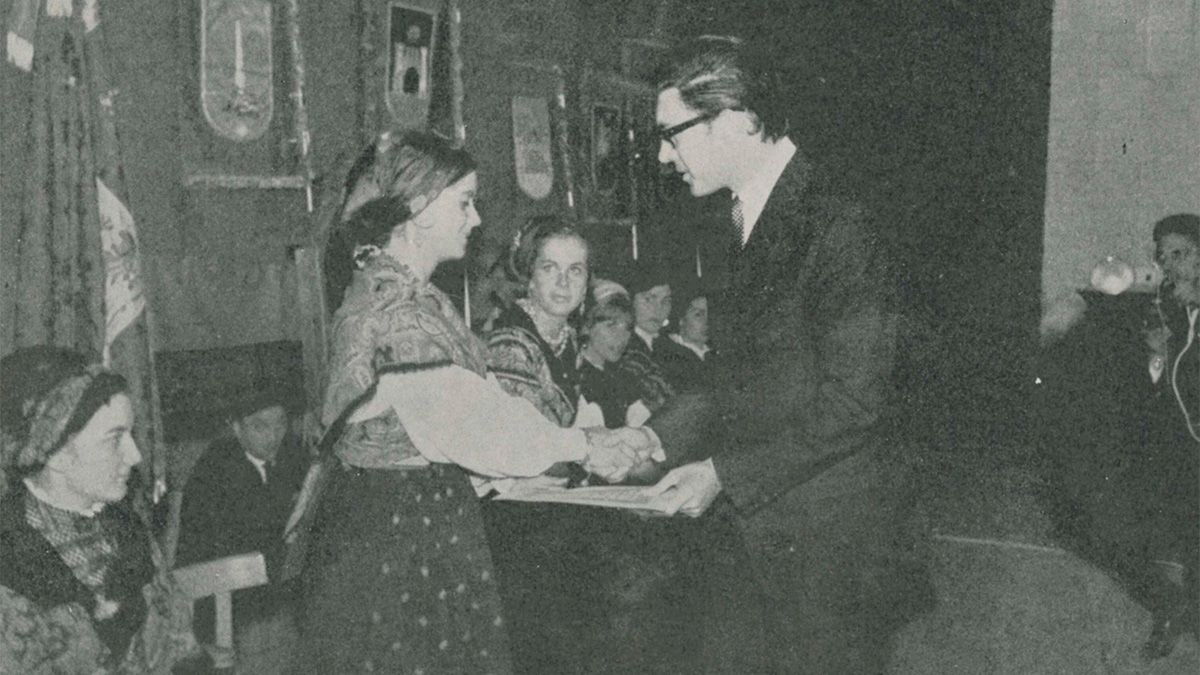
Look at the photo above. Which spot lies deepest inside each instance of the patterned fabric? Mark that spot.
(389, 318)
(50, 417)
(51, 623)
(638, 363)
(739, 222)
(80, 541)
(401, 577)
(528, 367)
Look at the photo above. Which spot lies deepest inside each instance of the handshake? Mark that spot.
(614, 453)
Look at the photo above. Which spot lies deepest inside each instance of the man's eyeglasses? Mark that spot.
(668, 135)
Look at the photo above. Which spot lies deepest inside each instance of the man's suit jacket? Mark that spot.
(227, 509)
(803, 343)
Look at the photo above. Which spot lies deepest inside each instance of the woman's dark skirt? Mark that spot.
(400, 579)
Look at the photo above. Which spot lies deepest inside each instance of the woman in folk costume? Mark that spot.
(82, 587)
(400, 575)
(544, 552)
(582, 586)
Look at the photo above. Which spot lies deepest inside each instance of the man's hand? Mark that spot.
(689, 489)
(612, 453)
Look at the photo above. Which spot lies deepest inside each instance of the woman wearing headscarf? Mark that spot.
(82, 585)
(400, 574)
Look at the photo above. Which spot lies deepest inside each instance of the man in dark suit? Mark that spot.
(239, 496)
(803, 347)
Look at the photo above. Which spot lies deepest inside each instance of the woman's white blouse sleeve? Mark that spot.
(455, 416)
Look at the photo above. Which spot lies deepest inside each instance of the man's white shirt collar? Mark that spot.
(698, 350)
(646, 337)
(754, 194)
(259, 464)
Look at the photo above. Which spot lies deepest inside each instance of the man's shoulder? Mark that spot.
(223, 456)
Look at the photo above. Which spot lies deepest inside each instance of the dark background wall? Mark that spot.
(933, 112)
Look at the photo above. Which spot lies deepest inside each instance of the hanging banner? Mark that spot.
(236, 67)
(411, 36)
(124, 300)
(531, 146)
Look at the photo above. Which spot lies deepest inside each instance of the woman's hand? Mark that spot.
(613, 453)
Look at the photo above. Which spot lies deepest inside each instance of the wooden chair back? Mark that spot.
(220, 578)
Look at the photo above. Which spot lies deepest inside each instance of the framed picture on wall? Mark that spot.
(618, 114)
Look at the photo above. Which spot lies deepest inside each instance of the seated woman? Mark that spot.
(579, 582)
(82, 587)
(650, 290)
(682, 354)
(606, 330)
(400, 574)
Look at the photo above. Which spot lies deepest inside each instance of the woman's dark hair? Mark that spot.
(681, 301)
(716, 73)
(369, 225)
(28, 375)
(530, 239)
(400, 172)
(612, 309)
(1182, 224)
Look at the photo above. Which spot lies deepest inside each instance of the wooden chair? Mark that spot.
(220, 578)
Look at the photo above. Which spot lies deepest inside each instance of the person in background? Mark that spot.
(1165, 546)
(683, 353)
(549, 556)
(532, 348)
(82, 584)
(607, 329)
(400, 576)
(650, 292)
(237, 500)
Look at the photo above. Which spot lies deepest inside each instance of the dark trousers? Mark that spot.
(833, 587)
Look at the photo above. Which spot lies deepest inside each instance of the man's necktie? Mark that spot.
(739, 223)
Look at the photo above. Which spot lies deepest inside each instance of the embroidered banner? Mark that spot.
(531, 146)
(236, 69)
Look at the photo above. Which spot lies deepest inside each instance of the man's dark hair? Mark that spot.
(715, 73)
(1182, 224)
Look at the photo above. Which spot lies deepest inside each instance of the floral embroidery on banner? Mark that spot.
(124, 296)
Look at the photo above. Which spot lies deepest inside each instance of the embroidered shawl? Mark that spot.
(50, 616)
(389, 319)
(528, 367)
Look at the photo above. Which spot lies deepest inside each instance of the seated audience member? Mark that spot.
(547, 555)
(682, 354)
(650, 292)
(606, 330)
(82, 584)
(238, 499)
(239, 494)
(1167, 469)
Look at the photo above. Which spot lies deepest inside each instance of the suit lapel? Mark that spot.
(779, 241)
